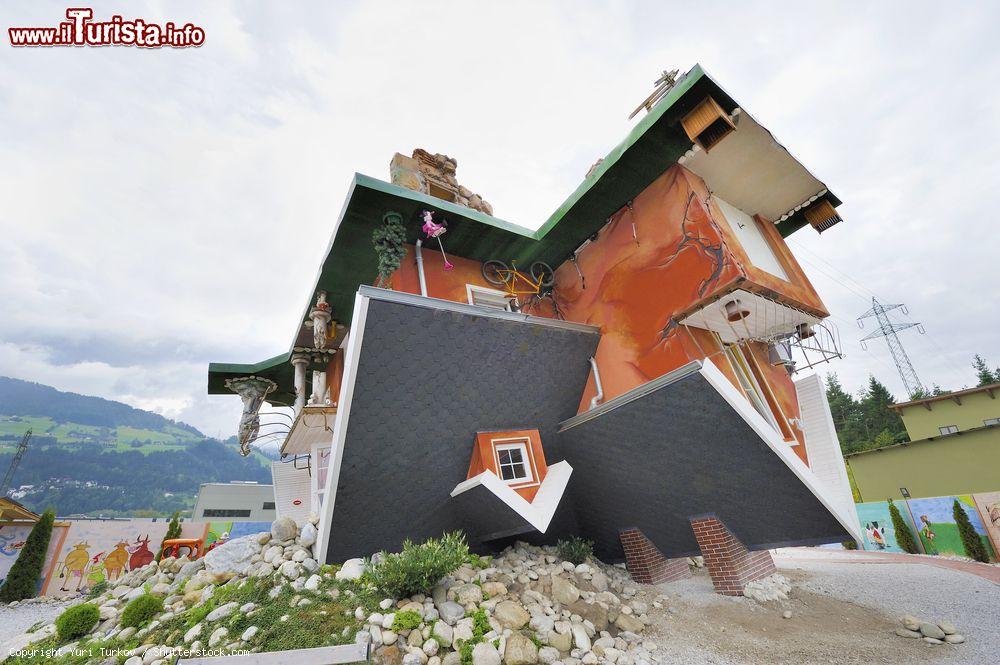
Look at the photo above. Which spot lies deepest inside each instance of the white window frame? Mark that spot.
(948, 429)
(472, 289)
(518, 443)
(991, 421)
(752, 389)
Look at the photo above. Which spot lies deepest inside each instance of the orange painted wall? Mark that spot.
(641, 282)
(441, 283)
(638, 281)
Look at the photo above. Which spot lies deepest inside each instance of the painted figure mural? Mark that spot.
(75, 565)
(115, 561)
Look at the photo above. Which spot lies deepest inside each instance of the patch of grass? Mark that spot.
(574, 549)
(406, 620)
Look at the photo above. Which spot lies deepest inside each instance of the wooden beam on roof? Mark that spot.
(989, 391)
(958, 400)
(927, 405)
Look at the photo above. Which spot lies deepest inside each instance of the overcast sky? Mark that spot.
(162, 209)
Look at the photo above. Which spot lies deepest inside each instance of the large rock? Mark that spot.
(485, 653)
(580, 637)
(931, 630)
(511, 615)
(284, 528)
(222, 611)
(443, 632)
(451, 612)
(563, 591)
(593, 612)
(520, 650)
(629, 623)
(351, 570)
(468, 593)
(308, 535)
(561, 641)
(235, 556)
(189, 569)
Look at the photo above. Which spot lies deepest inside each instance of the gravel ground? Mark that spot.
(927, 592)
(16, 620)
(842, 613)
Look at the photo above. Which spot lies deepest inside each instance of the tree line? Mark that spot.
(865, 421)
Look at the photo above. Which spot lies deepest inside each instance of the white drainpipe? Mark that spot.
(596, 399)
(420, 269)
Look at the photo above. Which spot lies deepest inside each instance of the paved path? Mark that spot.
(983, 570)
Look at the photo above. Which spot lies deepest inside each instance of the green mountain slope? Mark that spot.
(93, 456)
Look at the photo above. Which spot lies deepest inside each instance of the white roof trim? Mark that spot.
(539, 512)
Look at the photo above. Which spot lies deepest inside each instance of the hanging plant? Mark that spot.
(388, 240)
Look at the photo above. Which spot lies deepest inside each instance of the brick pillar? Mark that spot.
(646, 564)
(729, 563)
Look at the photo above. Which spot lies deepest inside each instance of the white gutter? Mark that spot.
(420, 269)
(597, 383)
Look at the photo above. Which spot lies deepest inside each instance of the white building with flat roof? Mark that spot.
(236, 501)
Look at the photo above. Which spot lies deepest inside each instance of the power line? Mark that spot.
(887, 330)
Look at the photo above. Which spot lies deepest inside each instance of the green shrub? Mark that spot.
(77, 621)
(419, 567)
(141, 610)
(97, 589)
(971, 541)
(574, 549)
(173, 531)
(849, 545)
(406, 620)
(904, 537)
(22, 580)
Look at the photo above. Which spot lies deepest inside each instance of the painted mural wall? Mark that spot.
(83, 553)
(932, 523)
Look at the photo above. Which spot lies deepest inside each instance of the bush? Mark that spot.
(419, 567)
(22, 580)
(971, 541)
(576, 550)
(173, 531)
(141, 610)
(77, 621)
(904, 537)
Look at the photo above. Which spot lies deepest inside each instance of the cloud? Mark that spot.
(166, 208)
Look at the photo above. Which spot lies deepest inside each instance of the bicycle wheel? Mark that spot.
(542, 273)
(494, 272)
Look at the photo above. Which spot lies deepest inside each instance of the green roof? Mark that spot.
(655, 143)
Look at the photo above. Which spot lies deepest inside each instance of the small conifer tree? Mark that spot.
(173, 531)
(904, 537)
(22, 580)
(971, 541)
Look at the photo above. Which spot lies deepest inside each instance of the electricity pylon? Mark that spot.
(14, 462)
(888, 330)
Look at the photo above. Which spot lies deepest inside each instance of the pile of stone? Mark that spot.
(772, 587)
(434, 174)
(540, 610)
(932, 633)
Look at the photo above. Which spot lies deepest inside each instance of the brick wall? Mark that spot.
(646, 564)
(728, 562)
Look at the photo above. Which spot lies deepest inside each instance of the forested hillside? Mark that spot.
(94, 456)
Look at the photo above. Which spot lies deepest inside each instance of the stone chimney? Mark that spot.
(434, 175)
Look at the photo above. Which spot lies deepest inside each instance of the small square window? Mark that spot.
(991, 421)
(948, 429)
(513, 463)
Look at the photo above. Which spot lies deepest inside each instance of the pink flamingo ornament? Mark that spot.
(433, 230)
